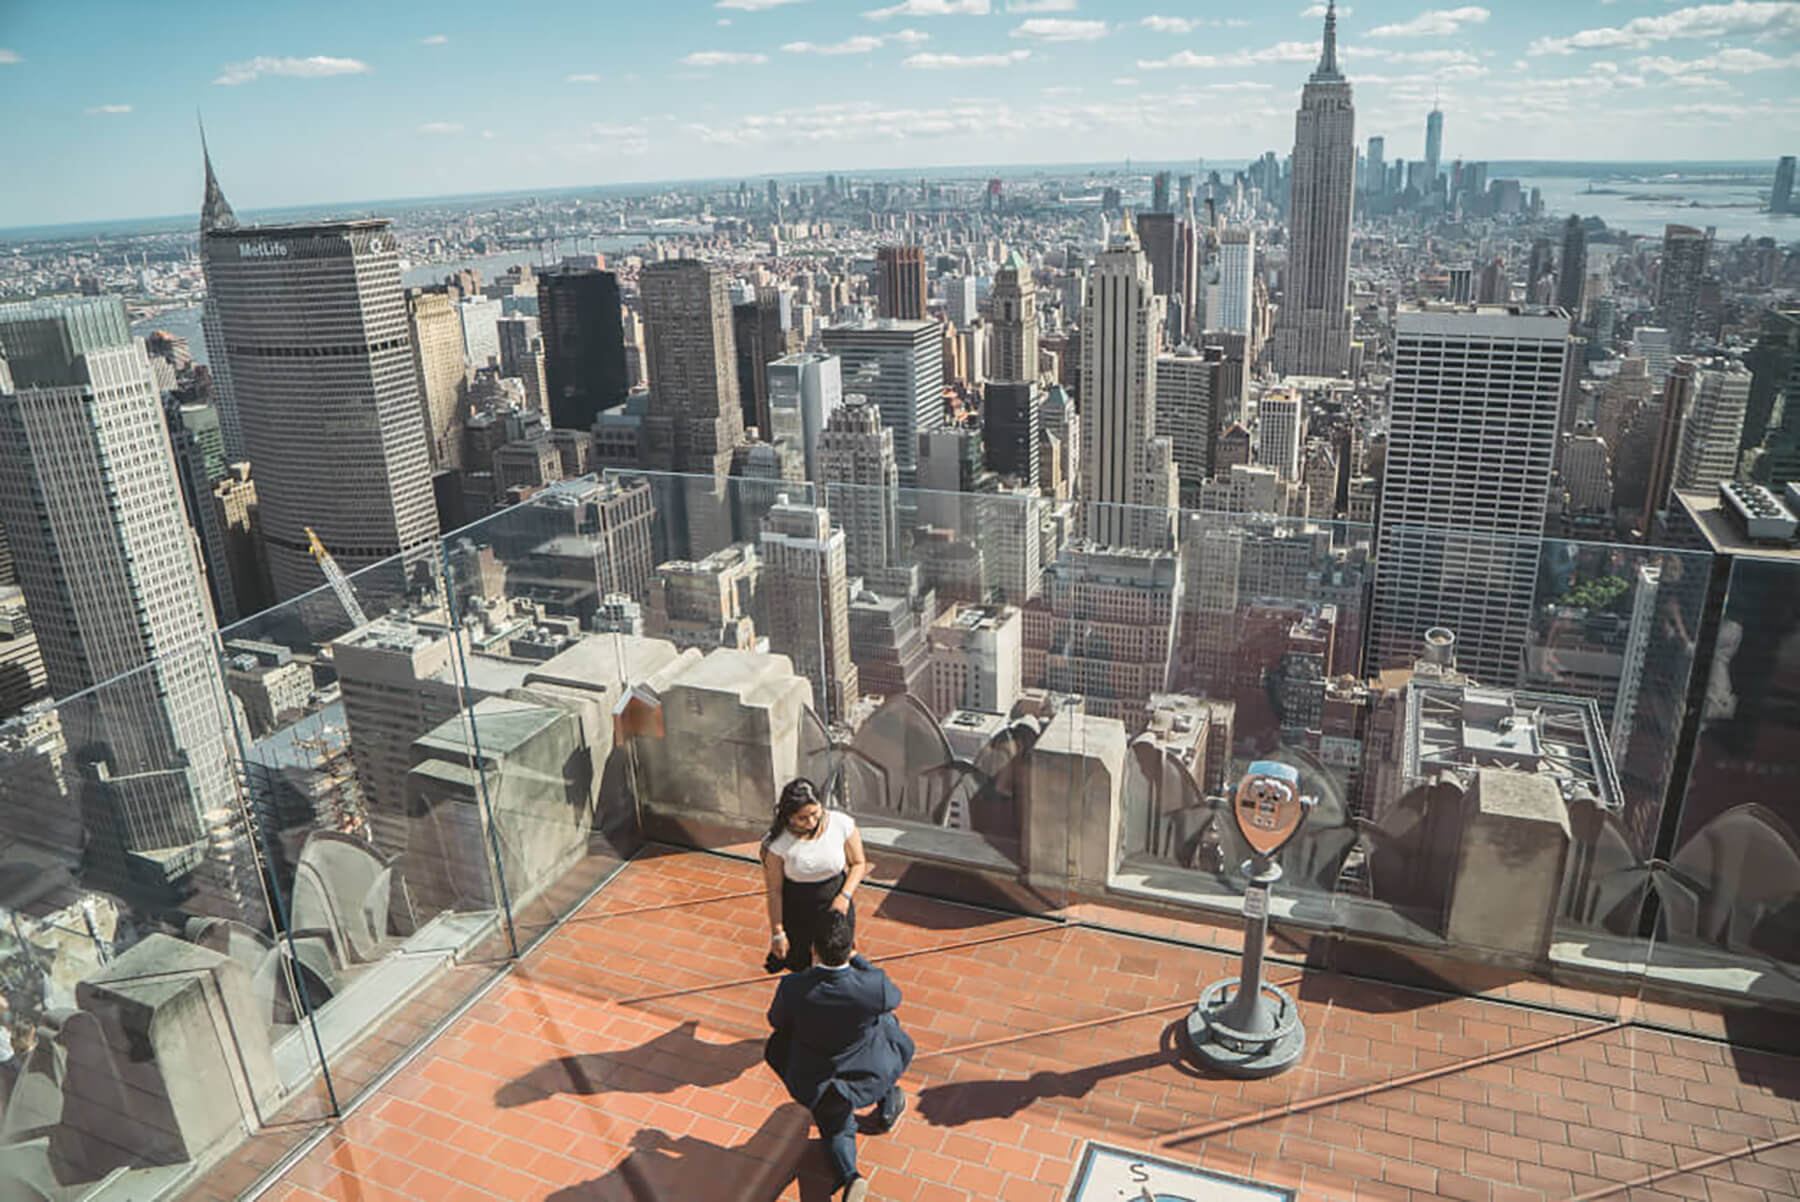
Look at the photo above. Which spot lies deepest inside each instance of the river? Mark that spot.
(1732, 205)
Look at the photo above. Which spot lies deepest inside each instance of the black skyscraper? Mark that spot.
(760, 340)
(584, 345)
(1571, 274)
(1011, 417)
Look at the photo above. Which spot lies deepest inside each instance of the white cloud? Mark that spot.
(1281, 52)
(1060, 29)
(582, 77)
(317, 67)
(99, 110)
(753, 5)
(488, 133)
(1318, 10)
(441, 128)
(1428, 58)
(861, 43)
(1189, 24)
(722, 58)
(607, 138)
(1733, 60)
(931, 8)
(436, 39)
(1434, 23)
(861, 123)
(947, 62)
(1770, 18)
(8, 57)
(1124, 81)
(1040, 6)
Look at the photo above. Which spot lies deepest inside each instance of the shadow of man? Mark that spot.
(671, 1060)
(664, 1169)
(961, 1102)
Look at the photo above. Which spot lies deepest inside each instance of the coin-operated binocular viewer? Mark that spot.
(1246, 1027)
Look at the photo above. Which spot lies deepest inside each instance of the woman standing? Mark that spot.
(812, 863)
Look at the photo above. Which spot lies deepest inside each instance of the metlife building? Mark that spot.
(313, 320)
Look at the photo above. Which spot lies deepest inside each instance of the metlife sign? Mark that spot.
(326, 243)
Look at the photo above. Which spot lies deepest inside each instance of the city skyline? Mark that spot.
(1045, 80)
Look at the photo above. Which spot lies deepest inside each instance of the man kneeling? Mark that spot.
(838, 1047)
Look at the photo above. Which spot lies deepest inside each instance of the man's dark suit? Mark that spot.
(838, 1048)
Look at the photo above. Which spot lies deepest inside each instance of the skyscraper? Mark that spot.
(584, 344)
(437, 349)
(1781, 196)
(1280, 429)
(900, 282)
(314, 330)
(1186, 415)
(1237, 282)
(1011, 425)
(1774, 364)
(1466, 481)
(804, 390)
(806, 600)
(1012, 306)
(1434, 145)
(480, 316)
(1684, 251)
(1708, 454)
(1312, 332)
(694, 420)
(1156, 234)
(1680, 391)
(92, 506)
(1119, 321)
(856, 462)
(199, 455)
(899, 365)
(515, 335)
(1375, 168)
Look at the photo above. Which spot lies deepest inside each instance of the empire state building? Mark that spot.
(1312, 330)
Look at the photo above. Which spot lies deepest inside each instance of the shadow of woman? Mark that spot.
(671, 1060)
(660, 1168)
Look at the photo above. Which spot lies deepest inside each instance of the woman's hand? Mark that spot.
(778, 945)
(841, 903)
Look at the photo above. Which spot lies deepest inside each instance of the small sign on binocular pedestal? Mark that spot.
(1246, 1027)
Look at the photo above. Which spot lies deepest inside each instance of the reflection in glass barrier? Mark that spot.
(1727, 881)
(150, 1014)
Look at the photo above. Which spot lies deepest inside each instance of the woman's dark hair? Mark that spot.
(796, 795)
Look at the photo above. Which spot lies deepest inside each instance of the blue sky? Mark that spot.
(320, 102)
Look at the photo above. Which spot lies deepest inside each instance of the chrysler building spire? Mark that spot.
(215, 210)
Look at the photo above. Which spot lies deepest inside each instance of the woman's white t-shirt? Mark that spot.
(817, 859)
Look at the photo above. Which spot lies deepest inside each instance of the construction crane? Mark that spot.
(334, 575)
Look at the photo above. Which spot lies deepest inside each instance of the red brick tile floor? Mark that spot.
(621, 1059)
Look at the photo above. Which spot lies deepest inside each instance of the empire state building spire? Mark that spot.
(1313, 327)
(1328, 68)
